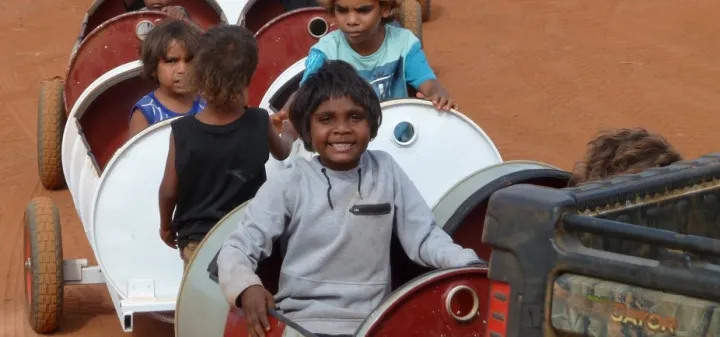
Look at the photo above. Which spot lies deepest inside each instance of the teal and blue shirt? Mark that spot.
(400, 61)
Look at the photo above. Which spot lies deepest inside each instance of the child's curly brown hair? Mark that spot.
(623, 151)
(224, 65)
(155, 46)
(329, 5)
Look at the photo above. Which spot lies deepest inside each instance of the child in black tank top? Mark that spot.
(216, 159)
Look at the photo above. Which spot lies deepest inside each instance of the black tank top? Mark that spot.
(219, 167)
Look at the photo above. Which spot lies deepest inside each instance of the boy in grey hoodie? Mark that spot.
(335, 215)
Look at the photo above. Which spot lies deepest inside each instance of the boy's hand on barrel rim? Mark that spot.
(255, 301)
(441, 101)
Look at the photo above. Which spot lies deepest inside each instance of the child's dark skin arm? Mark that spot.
(138, 122)
(280, 145)
(168, 197)
(434, 92)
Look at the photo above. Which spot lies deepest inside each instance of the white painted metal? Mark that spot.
(449, 146)
(80, 172)
(83, 179)
(285, 77)
(125, 220)
(463, 189)
(200, 298)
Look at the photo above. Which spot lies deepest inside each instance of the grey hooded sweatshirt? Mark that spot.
(335, 227)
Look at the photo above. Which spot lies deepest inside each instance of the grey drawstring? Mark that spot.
(329, 187)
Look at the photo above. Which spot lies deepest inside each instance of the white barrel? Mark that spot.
(457, 195)
(201, 307)
(437, 148)
(81, 173)
(125, 220)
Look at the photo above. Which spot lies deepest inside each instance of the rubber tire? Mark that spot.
(44, 298)
(51, 124)
(409, 15)
(425, 5)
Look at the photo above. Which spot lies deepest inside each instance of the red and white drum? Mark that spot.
(450, 301)
(283, 42)
(461, 210)
(96, 127)
(436, 149)
(447, 302)
(205, 13)
(113, 43)
(253, 14)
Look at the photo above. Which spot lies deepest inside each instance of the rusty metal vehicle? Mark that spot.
(634, 255)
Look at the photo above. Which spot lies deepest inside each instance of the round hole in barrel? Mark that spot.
(143, 28)
(318, 27)
(462, 303)
(404, 133)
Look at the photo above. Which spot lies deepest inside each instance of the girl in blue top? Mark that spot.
(166, 54)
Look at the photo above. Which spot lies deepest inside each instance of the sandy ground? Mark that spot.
(540, 77)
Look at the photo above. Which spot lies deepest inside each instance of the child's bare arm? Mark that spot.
(168, 195)
(421, 77)
(434, 92)
(280, 144)
(138, 122)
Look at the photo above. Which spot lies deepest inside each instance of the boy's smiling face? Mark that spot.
(340, 133)
(359, 19)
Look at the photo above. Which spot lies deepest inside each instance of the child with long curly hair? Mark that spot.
(623, 151)
(216, 160)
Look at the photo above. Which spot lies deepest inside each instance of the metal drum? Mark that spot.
(203, 310)
(110, 45)
(205, 13)
(200, 298)
(447, 302)
(461, 210)
(254, 14)
(96, 128)
(436, 149)
(425, 141)
(283, 42)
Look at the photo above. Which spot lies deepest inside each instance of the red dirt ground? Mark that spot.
(540, 77)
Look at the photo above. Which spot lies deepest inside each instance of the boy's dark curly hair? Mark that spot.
(335, 79)
(224, 65)
(623, 151)
(155, 46)
(329, 5)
